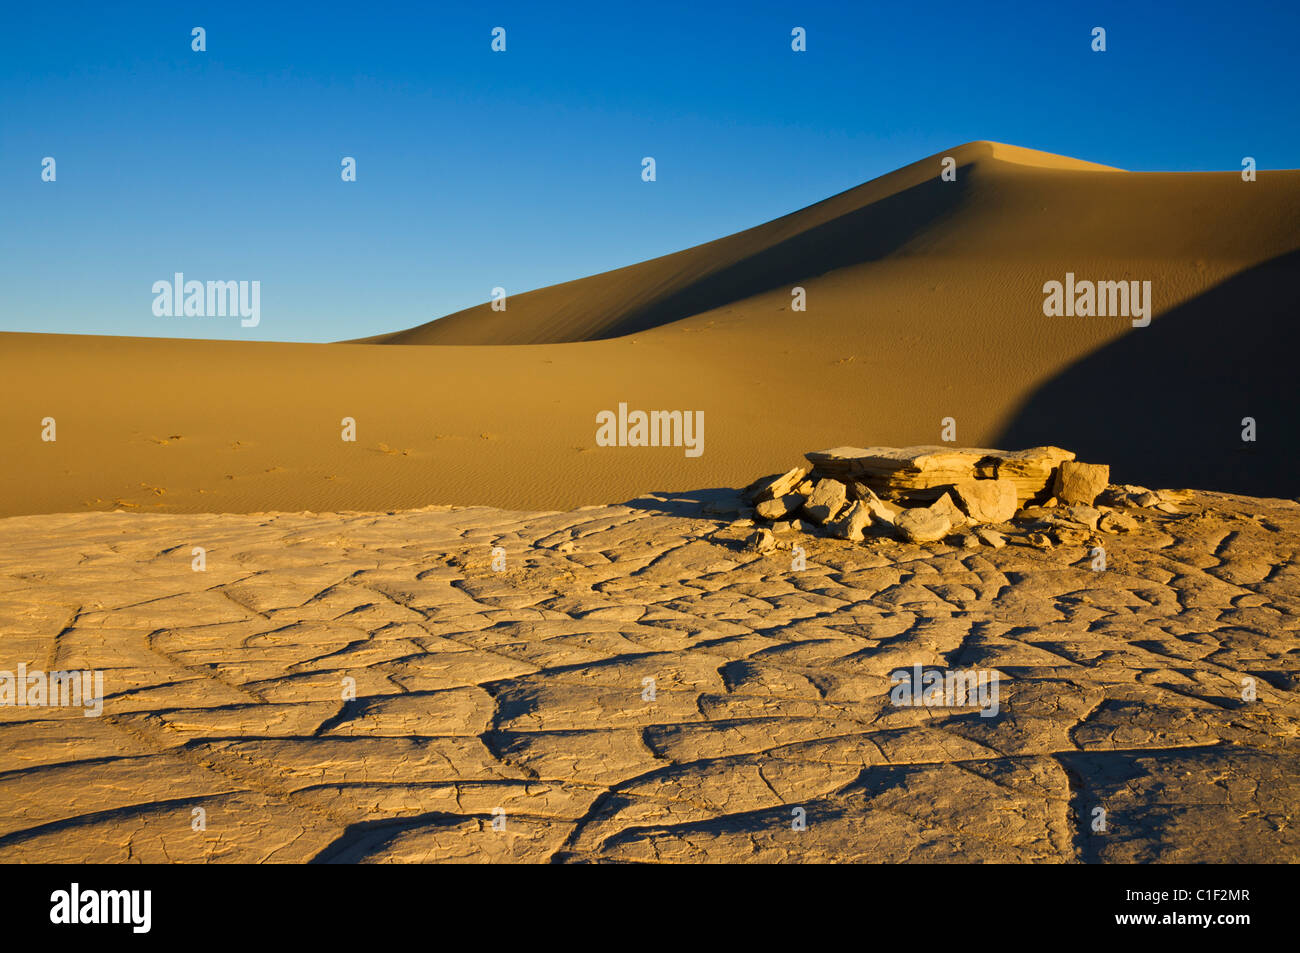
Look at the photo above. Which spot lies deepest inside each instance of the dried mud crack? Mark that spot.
(633, 684)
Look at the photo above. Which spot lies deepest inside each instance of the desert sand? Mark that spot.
(924, 301)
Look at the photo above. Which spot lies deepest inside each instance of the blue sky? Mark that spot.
(522, 169)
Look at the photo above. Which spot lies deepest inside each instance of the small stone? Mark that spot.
(782, 527)
(1034, 514)
(1084, 514)
(1117, 523)
(986, 501)
(805, 487)
(948, 509)
(1069, 536)
(990, 537)
(922, 525)
(968, 541)
(761, 541)
(1164, 507)
(1039, 541)
(772, 487)
(882, 516)
(1112, 496)
(1080, 482)
(1145, 498)
(1061, 521)
(779, 507)
(826, 501)
(857, 490)
(852, 522)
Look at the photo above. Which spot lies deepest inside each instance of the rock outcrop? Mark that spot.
(927, 494)
(924, 473)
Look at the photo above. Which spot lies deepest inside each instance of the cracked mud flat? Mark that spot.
(522, 690)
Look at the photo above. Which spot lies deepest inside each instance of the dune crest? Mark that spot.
(1006, 201)
(1019, 155)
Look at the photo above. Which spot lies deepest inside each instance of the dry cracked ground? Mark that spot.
(506, 716)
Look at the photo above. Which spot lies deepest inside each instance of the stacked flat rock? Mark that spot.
(926, 494)
(919, 474)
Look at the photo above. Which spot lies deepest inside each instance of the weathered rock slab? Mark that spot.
(923, 473)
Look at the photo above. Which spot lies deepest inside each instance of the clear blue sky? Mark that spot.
(522, 168)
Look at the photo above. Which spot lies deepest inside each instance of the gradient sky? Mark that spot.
(522, 169)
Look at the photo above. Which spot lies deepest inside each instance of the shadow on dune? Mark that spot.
(821, 238)
(862, 235)
(1164, 404)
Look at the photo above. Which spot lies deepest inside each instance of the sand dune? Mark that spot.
(873, 221)
(924, 301)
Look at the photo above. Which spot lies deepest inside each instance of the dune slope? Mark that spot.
(863, 224)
